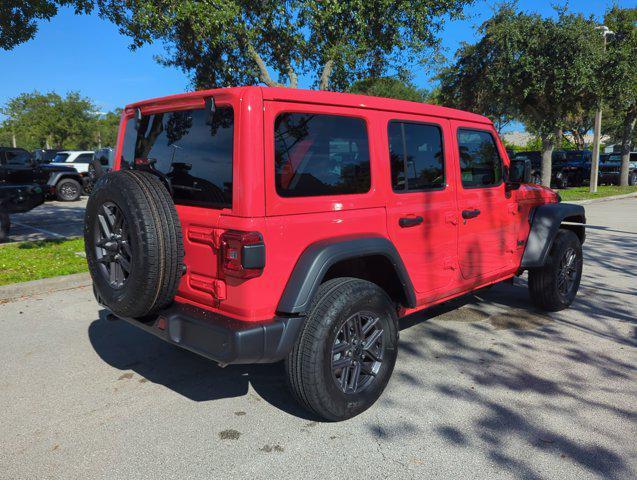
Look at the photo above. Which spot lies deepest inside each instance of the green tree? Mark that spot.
(390, 87)
(538, 70)
(107, 126)
(18, 18)
(234, 42)
(49, 120)
(620, 73)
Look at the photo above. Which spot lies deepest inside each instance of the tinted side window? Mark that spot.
(194, 156)
(417, 160)
(84, 158)
(320, 155)
(480, 164)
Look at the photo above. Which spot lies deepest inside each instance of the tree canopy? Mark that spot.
(50, 120)
(18, 18)
(390, 87)
(243, 42)
(620, 81)
(539, 70)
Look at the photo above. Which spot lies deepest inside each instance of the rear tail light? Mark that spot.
(242, 254)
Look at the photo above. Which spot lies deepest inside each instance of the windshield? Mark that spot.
(61, 157)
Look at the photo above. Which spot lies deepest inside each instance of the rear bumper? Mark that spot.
(220, 338)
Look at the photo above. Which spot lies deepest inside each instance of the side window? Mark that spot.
(84, 158)
(416, 155)
(320, 155)
(480, 163)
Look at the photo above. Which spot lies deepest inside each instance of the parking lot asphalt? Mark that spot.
(49, 221)
(485, 387)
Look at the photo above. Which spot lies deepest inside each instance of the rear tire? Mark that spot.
(5, 226)
(347, 350)
(133, 241)
(68, 190)
(632, 179)
(554, 286)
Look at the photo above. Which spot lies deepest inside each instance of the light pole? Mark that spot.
(598, 123)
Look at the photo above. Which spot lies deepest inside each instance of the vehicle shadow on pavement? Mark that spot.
(128, 348)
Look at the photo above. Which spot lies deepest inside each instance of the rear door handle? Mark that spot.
(466, 214)
(405, 222)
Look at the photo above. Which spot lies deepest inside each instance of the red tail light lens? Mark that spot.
(242, 254)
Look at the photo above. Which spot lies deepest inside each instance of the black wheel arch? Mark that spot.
(321, 261)
(546, 220)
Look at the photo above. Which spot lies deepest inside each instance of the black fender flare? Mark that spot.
(317, 259)
(546, 220)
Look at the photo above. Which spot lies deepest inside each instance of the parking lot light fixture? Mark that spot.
(598, 123)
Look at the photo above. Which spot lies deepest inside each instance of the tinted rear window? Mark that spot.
(320, 155)
(193, 155)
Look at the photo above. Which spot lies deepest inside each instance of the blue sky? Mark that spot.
(87, 54)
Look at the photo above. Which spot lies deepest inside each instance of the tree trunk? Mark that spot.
(325, 75)
(548, 142)
(629, 127)
(13, 140)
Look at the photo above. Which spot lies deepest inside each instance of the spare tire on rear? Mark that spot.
(133, 242)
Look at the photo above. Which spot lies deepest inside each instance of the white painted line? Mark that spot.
(41, 230)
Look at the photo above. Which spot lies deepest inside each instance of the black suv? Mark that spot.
(17, 199)
(535, 157)
(610, 165)
(17, 166)
(575, 166)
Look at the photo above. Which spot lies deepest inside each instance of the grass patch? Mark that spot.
(21, 262)
(582, 193)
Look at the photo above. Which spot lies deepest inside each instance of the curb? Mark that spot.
(17, 291)
(604, 199)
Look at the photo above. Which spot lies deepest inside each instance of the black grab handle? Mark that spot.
(410, 221)
(466, 214)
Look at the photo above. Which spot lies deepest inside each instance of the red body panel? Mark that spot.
(444, 256)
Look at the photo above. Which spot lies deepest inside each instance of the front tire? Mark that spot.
(346, 353)
(632, 179)
(68, 190)
(553, 287)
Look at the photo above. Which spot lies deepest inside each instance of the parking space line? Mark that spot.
(41, 230)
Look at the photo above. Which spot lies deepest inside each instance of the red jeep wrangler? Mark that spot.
(264, 224)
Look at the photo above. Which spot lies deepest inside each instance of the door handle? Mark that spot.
(405, 222)
(466, 214)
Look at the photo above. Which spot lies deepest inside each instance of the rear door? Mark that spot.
(194, 156)
(487, 213)
(421, 209)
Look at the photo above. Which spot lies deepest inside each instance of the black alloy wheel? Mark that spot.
(112, 245)
(357, 354)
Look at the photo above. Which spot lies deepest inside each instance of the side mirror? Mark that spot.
(519, 173)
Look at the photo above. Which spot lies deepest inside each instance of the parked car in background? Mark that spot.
(102, 163)
(79, 159)
(43, 155)
(17, 166)
(575, 166)
(610, 165)
(17, 199)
